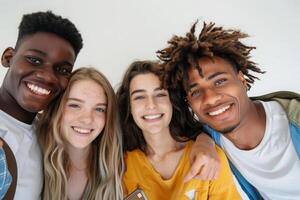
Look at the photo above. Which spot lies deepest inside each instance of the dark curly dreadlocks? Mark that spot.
(184, 52)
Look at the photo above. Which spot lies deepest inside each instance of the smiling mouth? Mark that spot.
(219, 111)
(37, 89)
(151, 117)
(82, 130)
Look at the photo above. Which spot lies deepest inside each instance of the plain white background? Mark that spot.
(118, 32)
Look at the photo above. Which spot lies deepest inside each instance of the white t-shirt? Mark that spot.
(273, 167)
(23, 143)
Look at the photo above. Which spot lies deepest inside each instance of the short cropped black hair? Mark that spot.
(50, 23)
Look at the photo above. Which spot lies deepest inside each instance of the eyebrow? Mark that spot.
(38, 51)
(215, 74)
(192, 86)
(208, 78)
(79, 100)
(143, 90)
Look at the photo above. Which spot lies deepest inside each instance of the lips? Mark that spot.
(82, 130)
(219, 111)
(152, 116)
(38, 89)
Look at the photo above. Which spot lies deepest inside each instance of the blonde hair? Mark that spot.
(105, 160)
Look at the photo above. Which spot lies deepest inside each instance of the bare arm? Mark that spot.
(205, 162)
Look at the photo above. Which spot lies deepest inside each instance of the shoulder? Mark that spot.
(134, 161)
(289, 101)
(130, 156)
(224, 185)
(225, 169)
(134, 170)
(221, 154)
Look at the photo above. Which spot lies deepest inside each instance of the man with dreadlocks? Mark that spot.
(211, 75)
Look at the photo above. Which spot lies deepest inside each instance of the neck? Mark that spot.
(10, 106)
(78, 158)
(251, 130)
(161, 143)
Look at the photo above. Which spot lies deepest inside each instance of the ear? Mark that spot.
(7, 56)
(242, 79)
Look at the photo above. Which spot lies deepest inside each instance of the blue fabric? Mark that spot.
(295, 135)
(5, 177)
(250, 190)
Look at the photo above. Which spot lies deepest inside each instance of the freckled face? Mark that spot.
(84, 114)
(150, 105)
(219, 98)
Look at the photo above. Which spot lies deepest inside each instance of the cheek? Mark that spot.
(195, 108)
(243, 99)
(170, 111)
(65, 124)
(63, 83)
(67, 117)
(15, 74)
(194, 104)
(100, 121)
(135, 109)
(238, 90)
(20, 67)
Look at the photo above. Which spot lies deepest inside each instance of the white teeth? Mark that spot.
(81, 130)
(152, 116)
(217, 112)
(38, 90)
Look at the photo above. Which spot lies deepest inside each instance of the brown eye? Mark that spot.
(138, 97)
(195, 93)
(161, 95)
(73, 105)
(65, 71)
(33, 60)
(220, 82)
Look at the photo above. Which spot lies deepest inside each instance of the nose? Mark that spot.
(47, 74)
(151, 104)
(211, 97)
(86, 117)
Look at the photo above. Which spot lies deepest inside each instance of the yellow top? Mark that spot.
(140, 173)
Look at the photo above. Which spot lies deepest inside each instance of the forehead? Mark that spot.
(145, 81)
(87, 89)
(47, 42)
(210, 66)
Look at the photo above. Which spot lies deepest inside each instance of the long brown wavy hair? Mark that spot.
(180, 128)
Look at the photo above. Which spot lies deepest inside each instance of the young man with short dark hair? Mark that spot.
(38, 71)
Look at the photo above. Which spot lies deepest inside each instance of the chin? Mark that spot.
(34, 109)
(229, 129)
(80, 147)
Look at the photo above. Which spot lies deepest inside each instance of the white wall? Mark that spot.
(117, 32)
